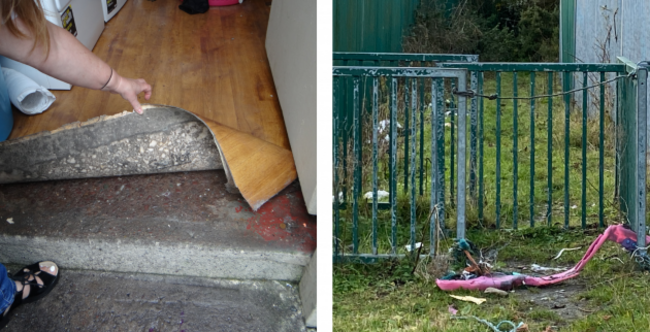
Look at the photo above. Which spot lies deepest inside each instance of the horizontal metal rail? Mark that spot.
(407, 57)
(415, 72)
(536, 67)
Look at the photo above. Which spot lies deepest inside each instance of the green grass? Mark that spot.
(606, 296)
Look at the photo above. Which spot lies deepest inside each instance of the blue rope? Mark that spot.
(494, 328)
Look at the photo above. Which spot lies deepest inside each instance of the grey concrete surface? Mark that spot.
(183, 258)
(166, 139)
(95, 301)
(187, 222)
(308, 289)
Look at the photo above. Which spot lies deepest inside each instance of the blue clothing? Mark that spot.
(7, 289)
(6, 118)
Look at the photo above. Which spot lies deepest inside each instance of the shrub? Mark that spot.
(497, 30)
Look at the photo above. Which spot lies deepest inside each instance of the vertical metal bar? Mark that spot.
(393, 164)
(584, 150)
(407, 131)
(434, 167)
(480, 150)
(414, 91)
(421, 111)
(532, 150)
(515, 162)
(375, 125)
(345, 128)
(617, 161)
(549, 156)
(462, 158)
(641, 168)
(472, 137)
(335, 159)
(452, 140)
(567, 134)
(356, 127)
(440, 152)
(601, 156)
(498, 168)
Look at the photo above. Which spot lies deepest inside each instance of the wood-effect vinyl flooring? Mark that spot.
(212, 64)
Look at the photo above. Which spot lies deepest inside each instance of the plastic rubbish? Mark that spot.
(615, 233)
(29, 97)
(384, 124)
(417, 246)
(565, 249)
(452, 310)
(497, 328)
(469, 299)
(539, 268)
(496, 291)
(381, 194)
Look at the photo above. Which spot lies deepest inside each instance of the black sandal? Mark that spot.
(36, 291)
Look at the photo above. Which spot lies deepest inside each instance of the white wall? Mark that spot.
(627, 23)
(291, 50)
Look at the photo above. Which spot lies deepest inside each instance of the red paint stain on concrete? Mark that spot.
(238, 209)
(280, 220)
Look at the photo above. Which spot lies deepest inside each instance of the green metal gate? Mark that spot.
(369, 159)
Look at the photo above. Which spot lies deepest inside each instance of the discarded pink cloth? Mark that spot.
(616, 233)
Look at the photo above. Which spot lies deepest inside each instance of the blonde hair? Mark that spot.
(31, 13)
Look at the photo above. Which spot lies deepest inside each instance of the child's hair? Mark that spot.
(31, 14)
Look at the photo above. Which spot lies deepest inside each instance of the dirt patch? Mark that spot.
(561, 299)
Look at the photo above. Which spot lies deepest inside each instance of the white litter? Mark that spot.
(539, 268)
(28, 96)
(381, 194)
(10, 220)
(566, 249)
(469, 299)
(340, 197)
(417, 246)
(496, 291)
(384, 124)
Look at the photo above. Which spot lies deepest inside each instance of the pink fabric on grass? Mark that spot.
(616, 233)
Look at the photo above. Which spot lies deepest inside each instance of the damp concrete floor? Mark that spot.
(185, 221)
(108, 301)
(164, 252)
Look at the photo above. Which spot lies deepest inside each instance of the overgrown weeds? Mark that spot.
(511, 30)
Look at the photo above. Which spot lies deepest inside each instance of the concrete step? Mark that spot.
(186, 223)
(109, 301)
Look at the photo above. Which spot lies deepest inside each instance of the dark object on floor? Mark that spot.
(36, 291)
(195, 6)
